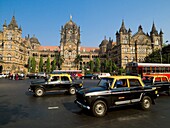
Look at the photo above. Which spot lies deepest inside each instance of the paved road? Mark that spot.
(20, 109)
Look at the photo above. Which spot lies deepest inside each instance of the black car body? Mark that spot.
(55, 82)
(89, 76)
(161, 82)
(115, 91)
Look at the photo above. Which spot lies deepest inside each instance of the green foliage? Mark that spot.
(33, 64)
(77, 60)
(91, 65)
(97, 65)
(60, 60)
(53, 64)
(48, 65)
(41, 64)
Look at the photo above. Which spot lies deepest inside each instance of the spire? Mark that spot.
(123, 28)
(4, 25)
(153, 27)
(20, 28)
(140, 28)
(154, 31)
(161, 32)
(13, 23)
(71, 17)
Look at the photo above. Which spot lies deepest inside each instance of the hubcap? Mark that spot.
(72, 91)
(39, 92)
(146, 103)
(100, 109)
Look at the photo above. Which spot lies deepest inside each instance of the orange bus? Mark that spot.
(142, 69)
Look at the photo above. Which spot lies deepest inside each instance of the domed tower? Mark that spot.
(34, 42)
(69, 44)
(103, 46)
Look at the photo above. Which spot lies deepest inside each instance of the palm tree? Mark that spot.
(77, 61)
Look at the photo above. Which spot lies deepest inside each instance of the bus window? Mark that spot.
(166, 69)
(157, 69)
(153, 69)
(157, 79)
(148, 70)
(164, 79)
(162, 69)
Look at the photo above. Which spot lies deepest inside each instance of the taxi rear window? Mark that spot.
(134, 83)
(164, 79)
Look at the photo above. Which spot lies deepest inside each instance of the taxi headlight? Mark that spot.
(156, 92)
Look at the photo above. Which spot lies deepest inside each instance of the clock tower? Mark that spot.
(69, 44)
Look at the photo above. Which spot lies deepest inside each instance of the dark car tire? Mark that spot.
(99, 108)
(39, 92)
(146, 103)
(72, 90)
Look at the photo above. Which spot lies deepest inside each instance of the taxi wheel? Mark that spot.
(72, 90)
(99, 108)
(146, 103)
(39, 92)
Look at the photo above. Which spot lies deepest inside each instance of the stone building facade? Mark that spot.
(15, 50)
(135, 47)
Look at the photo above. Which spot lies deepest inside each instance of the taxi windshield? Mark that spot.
(105, 81)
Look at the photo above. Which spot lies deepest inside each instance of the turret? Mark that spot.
(4, 26)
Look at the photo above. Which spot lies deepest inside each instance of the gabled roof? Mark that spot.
(89, 49)
(49, 48)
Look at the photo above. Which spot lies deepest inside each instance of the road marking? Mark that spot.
(50, 108)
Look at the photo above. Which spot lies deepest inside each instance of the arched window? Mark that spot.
(9, 57)
(157, 42)
(126, 59)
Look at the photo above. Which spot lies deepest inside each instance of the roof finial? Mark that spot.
(70, 17)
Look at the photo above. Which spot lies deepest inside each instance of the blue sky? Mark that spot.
(96, 18)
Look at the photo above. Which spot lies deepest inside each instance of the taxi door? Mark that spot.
(54, 83)
(121, 92)
(65, 82)
(136, 90)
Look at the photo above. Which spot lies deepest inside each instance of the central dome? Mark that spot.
(70, 24)
(34, 40)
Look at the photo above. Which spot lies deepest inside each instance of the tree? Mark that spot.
(29, 64)
(60, 60)
(48, 65)
(154, 57)
(77, 60)
(41, 64)
(110, 67)
(97, 65)
(91, 65)
(53, 64)
(33, 64)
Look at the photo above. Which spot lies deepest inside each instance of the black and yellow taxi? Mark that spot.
(115, 91)
(161, 82)
(55, 82)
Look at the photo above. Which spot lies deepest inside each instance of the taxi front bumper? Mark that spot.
(81, 105)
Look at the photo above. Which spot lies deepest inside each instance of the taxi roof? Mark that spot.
(62, 74)
(124, 77)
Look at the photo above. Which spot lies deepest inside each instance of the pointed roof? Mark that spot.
(4, 25)
(154, 31)
(123, 28)
(70, 23)
(13, 23)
